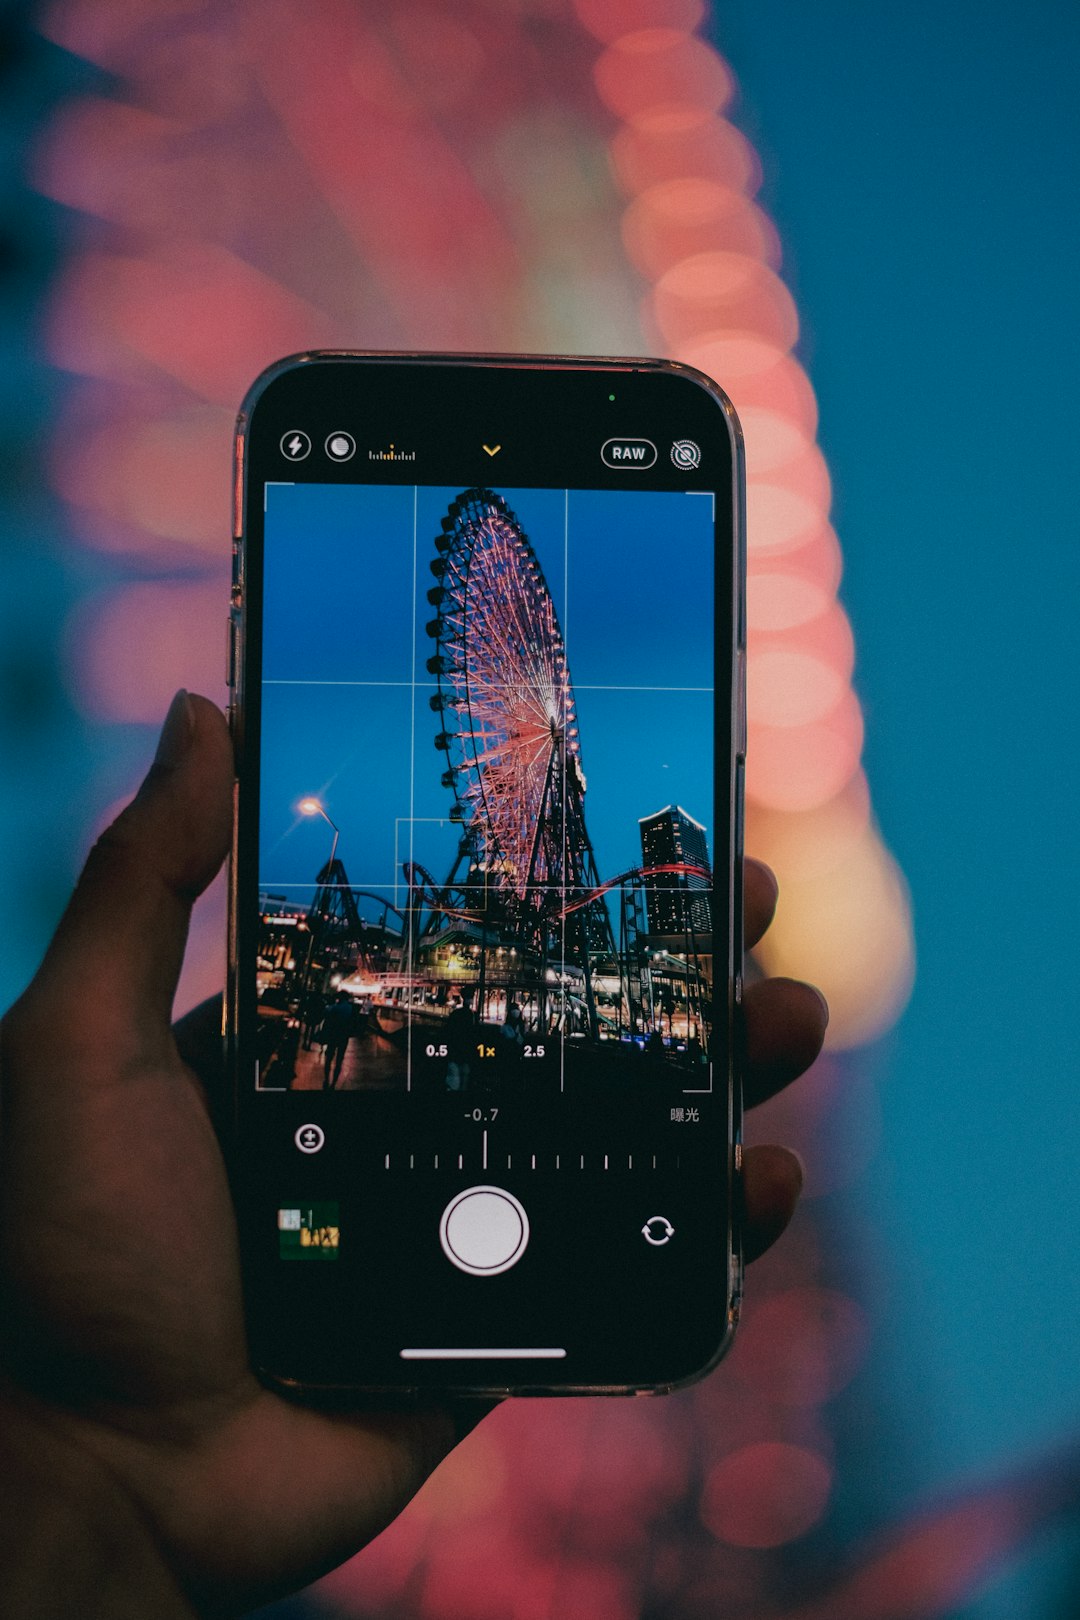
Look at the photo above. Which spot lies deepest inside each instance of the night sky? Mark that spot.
(630, 574)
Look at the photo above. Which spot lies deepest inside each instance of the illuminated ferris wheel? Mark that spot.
(509, 729)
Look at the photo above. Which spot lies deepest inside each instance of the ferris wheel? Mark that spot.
(509, 726)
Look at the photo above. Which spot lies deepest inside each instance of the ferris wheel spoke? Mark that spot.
(505, 700)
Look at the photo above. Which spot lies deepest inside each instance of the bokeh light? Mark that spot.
(801, 1346)
(800, 767)
(172, 633)
(153, 488)
(681, 219)
(766, 1495)
(691, 146)
(655, 78)
(777, 520)
(610, 19)
(263, 178)
(788, 687)
(717, 302)
(852, 920)
(780, 601)
(697, 293)
(758, 374)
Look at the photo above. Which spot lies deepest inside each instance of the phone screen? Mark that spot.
(484, 899)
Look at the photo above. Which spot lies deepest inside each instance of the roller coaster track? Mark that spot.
(637, 874)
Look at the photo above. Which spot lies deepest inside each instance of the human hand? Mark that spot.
(153, 1474)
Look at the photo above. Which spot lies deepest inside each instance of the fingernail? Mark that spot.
(177, 732)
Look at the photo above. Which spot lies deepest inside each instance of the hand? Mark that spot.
(153, 1474)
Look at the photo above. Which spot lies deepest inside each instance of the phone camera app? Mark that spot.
(514, 907)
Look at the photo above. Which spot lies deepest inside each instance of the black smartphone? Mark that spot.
(485, 936)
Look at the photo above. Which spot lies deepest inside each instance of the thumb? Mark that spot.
(115, 960)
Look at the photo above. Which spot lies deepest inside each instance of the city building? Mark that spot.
(676, 901)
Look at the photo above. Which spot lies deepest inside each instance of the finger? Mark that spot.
(759, 900)
(199, 1043)
(115, 959)
(784, 1022)
(772, 1179)
(349, 1475)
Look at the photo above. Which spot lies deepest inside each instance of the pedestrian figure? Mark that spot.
(511, 1044)
(313, 1009)
(337, 1030)
(460, 1045)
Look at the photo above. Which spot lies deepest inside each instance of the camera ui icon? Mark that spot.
(310, 1138)
(658, 1230)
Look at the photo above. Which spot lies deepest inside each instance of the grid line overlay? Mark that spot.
(412, 799)
(421, 683)
(566, 645)
(432, 686)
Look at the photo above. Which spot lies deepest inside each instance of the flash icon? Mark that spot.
(295, 445)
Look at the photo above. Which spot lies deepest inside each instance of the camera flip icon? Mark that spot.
(658, 1230)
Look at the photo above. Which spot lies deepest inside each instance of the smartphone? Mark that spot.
(485, 934)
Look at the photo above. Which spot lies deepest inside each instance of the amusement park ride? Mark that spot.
(523, 917)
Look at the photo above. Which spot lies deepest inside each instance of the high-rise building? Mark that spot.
(676, 900)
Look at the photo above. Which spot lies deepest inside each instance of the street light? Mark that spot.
(314, 807)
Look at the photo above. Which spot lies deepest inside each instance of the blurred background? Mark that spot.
(861, 220)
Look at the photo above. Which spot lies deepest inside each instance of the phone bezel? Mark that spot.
(240, 643)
